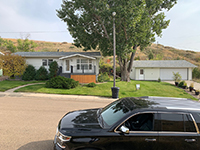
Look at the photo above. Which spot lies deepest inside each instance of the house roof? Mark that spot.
(163, 64)
(77, 55)
(1, 53)
(57, 54)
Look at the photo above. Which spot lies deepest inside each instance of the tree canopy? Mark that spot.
(21, 45)
(90, 22)
(13, 65)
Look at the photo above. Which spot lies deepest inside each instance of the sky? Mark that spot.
(37, 20)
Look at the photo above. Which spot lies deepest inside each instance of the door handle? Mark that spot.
(190, 140)
(150, 140)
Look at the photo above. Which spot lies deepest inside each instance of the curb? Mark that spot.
(56, 96)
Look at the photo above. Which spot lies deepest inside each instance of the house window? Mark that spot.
(50, 61)
(141, 71)
(67, 65)
(85, 64)
(46, 62)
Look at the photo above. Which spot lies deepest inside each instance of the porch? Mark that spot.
(84, 74)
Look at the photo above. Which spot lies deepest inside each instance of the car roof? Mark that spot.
(161, 103)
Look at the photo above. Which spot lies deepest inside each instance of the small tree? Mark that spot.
(177, 77)
(150, 56)
(13, 65)
(29, 73)
(53, 69)
(41, 74)
(25, 45)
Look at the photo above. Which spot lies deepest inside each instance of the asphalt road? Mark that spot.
(29, 123)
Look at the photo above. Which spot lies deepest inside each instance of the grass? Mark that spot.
(127, 89)
(6, 85)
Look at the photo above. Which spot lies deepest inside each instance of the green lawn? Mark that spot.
(127, 89)
(6, 85)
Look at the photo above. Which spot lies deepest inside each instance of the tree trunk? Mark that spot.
(126, 66)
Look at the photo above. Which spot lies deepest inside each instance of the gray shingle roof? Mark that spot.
(163, 64)
(56, 54)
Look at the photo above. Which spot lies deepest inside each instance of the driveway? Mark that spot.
(30, 122)
(196, 87)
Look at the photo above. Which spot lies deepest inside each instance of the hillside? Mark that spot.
(159, 51)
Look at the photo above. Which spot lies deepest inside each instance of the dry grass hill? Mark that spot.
(159, 51)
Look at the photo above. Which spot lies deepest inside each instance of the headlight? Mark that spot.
(61, 139)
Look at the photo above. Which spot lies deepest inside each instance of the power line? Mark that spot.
(34, 32)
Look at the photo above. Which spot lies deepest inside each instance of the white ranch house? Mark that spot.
(81, 66)
(163, 69)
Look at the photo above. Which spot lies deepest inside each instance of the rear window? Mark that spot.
(177, 123)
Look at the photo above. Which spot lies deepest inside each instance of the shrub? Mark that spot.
(103, 77)
(53, 69)
(29, 73)
(196, 73)
(159, 80)
(61, 83)
(181, 84)
(91, 84)
(192, 85)
(177, 77)
(41, 74)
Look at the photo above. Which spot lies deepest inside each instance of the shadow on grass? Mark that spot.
(39, 145)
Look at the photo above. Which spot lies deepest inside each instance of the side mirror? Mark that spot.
(124, 129)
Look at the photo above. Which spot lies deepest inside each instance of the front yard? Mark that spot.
(6, 85)
(127, 89)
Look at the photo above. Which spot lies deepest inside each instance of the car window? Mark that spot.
(189, 124)
(172, 122)
(177, 122)
(140, 122)
(114, 112)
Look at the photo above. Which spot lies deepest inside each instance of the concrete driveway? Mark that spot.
(196, 85)
(29, 123)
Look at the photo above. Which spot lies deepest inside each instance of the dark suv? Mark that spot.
(145, 123)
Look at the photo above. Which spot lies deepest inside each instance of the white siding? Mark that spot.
(37, 62)
(132, 74)
(190, 73)
(1, 72)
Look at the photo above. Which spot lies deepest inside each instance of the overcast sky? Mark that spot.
(38, 18)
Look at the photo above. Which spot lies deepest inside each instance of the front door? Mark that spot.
(142, 136)
(141, 74)
(67, 66)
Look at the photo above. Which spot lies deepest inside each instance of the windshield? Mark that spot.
(114, 112)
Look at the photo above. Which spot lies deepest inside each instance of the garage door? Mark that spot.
(167, 74)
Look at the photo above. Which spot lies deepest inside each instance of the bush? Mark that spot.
(41, 74)
(103, 77)
(159, 80)
(61, 83)
(91, 84)
(29, 73)
(53, 69)
(181, 84)
(196, 73)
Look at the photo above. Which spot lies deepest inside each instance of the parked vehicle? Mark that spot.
(145, 123)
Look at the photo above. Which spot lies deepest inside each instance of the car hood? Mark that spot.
(83, 120)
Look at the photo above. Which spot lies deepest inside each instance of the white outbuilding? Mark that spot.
(163, 69)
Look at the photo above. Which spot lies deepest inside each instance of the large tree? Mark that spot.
(90, 22)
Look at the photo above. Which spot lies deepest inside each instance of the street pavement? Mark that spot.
(28, 121)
